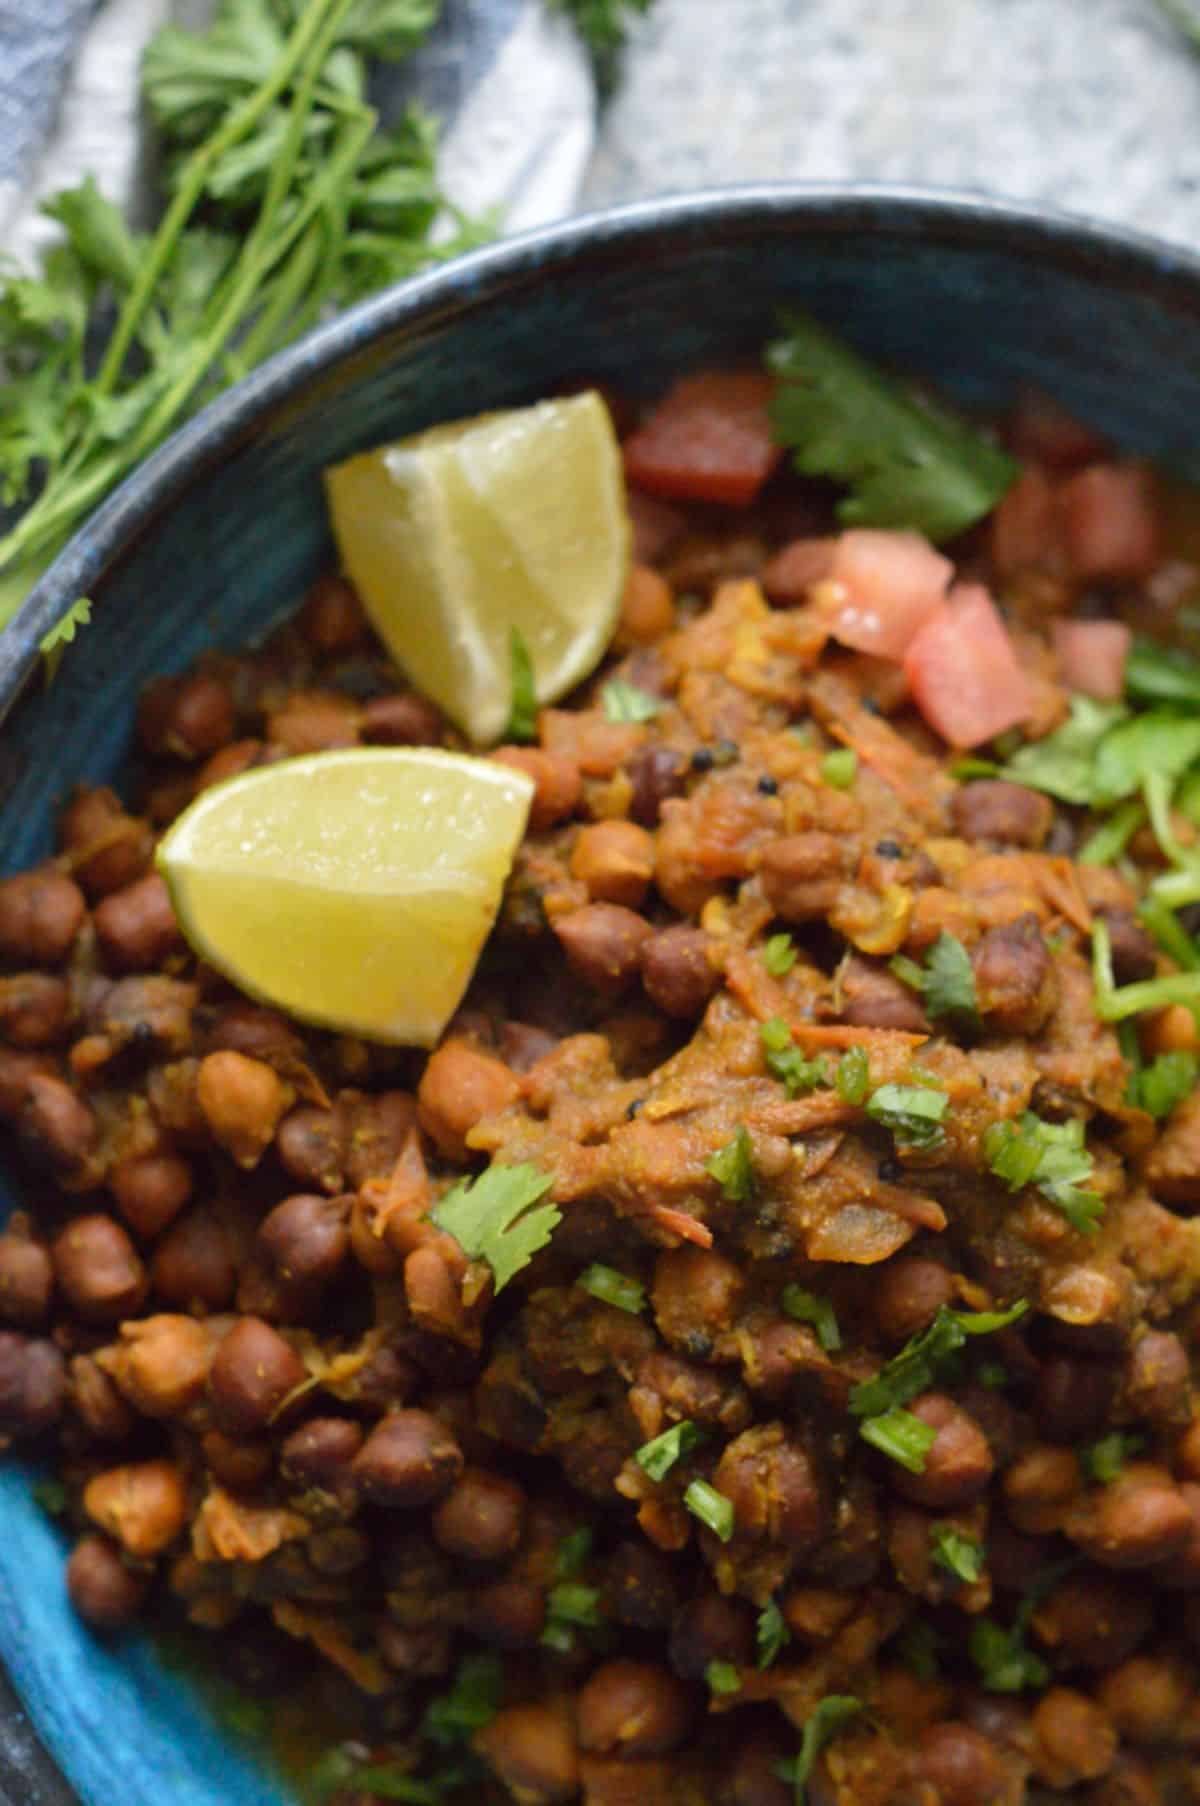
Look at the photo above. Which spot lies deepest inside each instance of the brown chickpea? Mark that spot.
(414, 1649)
(1093, 1619)
(531, 1749)
(802, 874)
(1072, 1398)
(633, 1708)
(960, 1763)
(603, 943)
(408, 1460)
(910, 1292)
(615, 861)
(107, 848)
(754, 1779)
(1158, 1380)
(242, 1101)
(136, 927)
(150, 1190)
(309, 1144)
(142, 1506)
(677, 973)
(239, 1465)
(1130, 1782)
(26, 1279)
(647, 608)
(186, 717)
(321, 1451)
(773, 1487)
(32, 1384)
(1073, 1738)
(96, 1402)
(332, 618)
(1137, 1521)
(1145, 1697)
(41, 912)
(959, 1464)
(105, 1593)
(306, 1239)
(402, 720)
(655, 773)
(230, 762)
(458, 1087)
(1040, 1487)
(310, 721)
(193, 1266)
(161, 1363)
(557, 783)
(98, 1269)
(59, 1129)
(253, 1372)
(509, 1614)
(35, 1009)
(711, 1628)
(481, 1518)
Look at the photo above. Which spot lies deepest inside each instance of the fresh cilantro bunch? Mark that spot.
(284, 202)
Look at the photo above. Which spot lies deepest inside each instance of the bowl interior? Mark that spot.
(220, 535)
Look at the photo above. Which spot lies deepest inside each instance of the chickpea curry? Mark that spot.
(750, 1358)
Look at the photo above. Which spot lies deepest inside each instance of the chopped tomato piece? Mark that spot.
(964, 672)
(1042, 432)
(656, 526)
(708, 440)
(792, 572)
(1025, 528)
(1091, 656)
(883, 587)
(1110, 522)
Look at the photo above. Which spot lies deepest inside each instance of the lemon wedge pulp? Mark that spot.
(456, 536)
(353, 889)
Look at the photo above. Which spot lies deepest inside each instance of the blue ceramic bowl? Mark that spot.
(218, 534)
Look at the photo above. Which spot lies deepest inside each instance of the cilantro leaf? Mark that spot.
(1159, 742)
(807, 1307)
(946, 982)
(914, 1369)
(900, 1435)
(733, 1167)
(908, 462)
(63, 632)
(834, 1711)
(472, 1701)
(1063, 763)
(658, 1456)
(625, 702)
(960, 1555)
(1104, 1458)
(1168, 1079)
(1115, 1003)
(573, 1552)
(912, 1112)
(1155, 673)
(853, 1075)
(612, 1287)
(785, 1061)
(1051, 1156)
(493, 1218)
(712, 1508)
(522, 717)
(779, 955)
(1005, 1664)
(722, 1677)
(771, 1634)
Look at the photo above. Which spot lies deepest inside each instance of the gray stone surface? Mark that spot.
(1091, 104)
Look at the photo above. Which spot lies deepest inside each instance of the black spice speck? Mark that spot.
(767, 785)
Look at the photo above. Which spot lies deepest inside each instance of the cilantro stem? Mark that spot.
(316, 25)
(1115, 1002)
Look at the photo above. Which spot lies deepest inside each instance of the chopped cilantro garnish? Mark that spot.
(839, 768)
(711, 1507)
(960, 1555)
(1105, 1458)
(612, 1287)
(771, 1633)
(853, 1075)
(786, 1062)
(1169, 932)
(946, 982)
(625, 702)
(901, 1436)
(1114, 1003)
(779, 955)
(1063, 763)
(907, 461)
(472, 1701)
(658, 1456)
(1155, 673)
(1110, 839)
(834, 1711)
(912, 1112)
(493, 1218)
(722, 1677)
(733, 1167)
(914, 1369)
(522, 717)
(570, 1603)
(1005, 1664)
(808, 1307)
(1051, 1156)
(1168, 1079)
(573, 1552)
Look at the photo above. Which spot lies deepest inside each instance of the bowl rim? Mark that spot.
(1121, 254)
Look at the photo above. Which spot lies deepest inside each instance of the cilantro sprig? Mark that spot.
(497, 1218)
(771, 1634)
(733, 1167)
(914, 1369)
(960, 1555)
(834, 1712)
(623, 701)
(913, 1113)
(658, 1456)
(946, 982)
(785, 1061)
(1051, 1156)
(907, 462)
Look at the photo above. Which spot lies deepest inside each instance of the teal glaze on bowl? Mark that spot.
(220, 531)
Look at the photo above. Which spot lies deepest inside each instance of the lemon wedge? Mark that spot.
(465, 532)
(353, 889)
